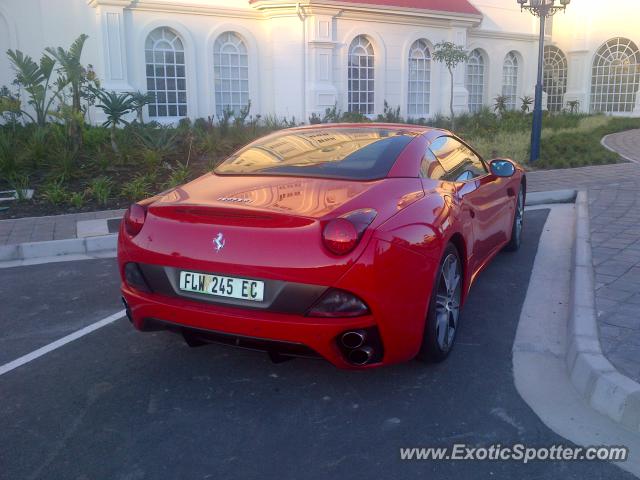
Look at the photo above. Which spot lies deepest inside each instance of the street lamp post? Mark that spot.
(542, 9)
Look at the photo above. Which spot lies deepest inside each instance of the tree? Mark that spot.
(115, 106)
(139, 100)
(35, 79)
(71, 71)
(451, 55)
(79, 80)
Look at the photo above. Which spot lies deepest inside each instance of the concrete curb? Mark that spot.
(596, 379)
(553, 196)
(57, 248)
(603, 142)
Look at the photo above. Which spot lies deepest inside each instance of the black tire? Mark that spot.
(443, 320)
(518, 223)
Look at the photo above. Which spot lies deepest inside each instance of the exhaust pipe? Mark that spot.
(360, 356)
(354, 339)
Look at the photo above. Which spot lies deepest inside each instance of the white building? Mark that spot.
(294, 58)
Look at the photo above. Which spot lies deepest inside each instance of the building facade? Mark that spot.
(294, 59)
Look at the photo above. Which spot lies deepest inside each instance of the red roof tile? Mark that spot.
(455, 6)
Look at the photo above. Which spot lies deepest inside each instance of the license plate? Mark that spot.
(220, 286)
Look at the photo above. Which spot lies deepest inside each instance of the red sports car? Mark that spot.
(355, 243)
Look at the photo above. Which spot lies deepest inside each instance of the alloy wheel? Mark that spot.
(519, 215)
(448, 302)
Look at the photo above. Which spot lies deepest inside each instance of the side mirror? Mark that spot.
(502, 168)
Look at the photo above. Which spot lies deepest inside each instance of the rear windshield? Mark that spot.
(343, 153)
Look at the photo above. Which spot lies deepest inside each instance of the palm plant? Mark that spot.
(573, 106)
(140, 100)
(115, 106)
(73, 75)
(527, 101)
(71, 70)
(162, 139)
(35, 79)
(500, 104)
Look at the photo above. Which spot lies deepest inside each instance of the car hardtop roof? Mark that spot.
(398, 127)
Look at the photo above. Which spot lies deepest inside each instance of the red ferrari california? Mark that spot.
(355, 243)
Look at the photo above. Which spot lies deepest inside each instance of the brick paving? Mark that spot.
(614, 210)
(40, 229)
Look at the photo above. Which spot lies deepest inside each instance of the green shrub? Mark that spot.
(38, 147)
(63, 163)
(103, 159)
(390, 115)
(502, 144)
(203, 124)
(560, 121)
(9, 165)
(55, 193)
(574, 149)
(151, 159)
(100, 189)
(136, 189)
(207, 142)
(94, 138)
(354, 117)
(20, 183)
(315, 119)
(179, 175)
(76, 199)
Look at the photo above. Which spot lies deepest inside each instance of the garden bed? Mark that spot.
(152, 158)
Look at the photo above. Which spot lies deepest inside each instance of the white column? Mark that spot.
(578, 79)
(287, 44)
(460, 93)
(321, 92)
(113, 54)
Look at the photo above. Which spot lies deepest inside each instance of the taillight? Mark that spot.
(342, 234)
(134, 277)
(134, 219)
(338, 303)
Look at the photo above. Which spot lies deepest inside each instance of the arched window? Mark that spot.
(475, 80)
(554, 78)
(419, 78)
(231, 70)
(615, 76)
(510, 79)
(361, 76)
(166, 76)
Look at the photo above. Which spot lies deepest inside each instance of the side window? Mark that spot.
(458, 161)
(430, 166)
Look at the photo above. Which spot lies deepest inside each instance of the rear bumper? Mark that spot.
(197, 336)
(393, 281)
(260, 330)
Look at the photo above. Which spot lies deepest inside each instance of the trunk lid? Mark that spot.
(269, 227)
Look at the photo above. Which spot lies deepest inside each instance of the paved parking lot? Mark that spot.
(118, 404)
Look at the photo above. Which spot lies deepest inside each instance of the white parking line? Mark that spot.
(7, 367)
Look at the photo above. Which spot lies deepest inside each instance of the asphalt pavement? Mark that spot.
(118, 404)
